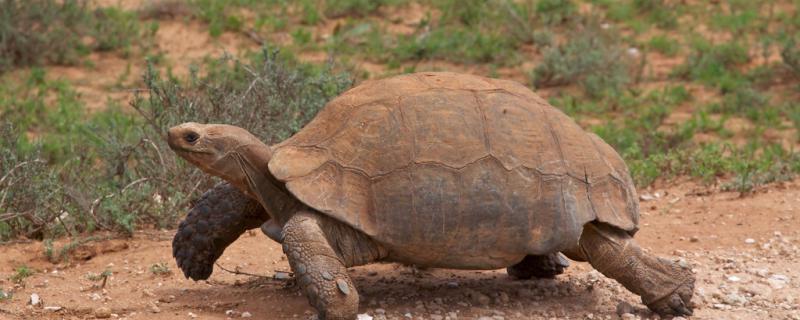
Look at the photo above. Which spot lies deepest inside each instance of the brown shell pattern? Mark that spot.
(424, 160)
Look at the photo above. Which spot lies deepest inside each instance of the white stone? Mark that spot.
(35, 299)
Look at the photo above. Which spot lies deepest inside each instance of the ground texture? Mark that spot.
(744, 251)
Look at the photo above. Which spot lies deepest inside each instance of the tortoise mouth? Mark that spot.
(180, 149)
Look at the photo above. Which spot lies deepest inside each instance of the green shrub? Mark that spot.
(664, 45)
(50, 31)
(592, 58)
(715, 65)
(357, 8)
(116, 171)
(26, 40)
(790, 55)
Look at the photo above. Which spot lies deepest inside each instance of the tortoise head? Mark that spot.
(222, 150)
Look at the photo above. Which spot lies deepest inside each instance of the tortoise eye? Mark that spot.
(191, 137)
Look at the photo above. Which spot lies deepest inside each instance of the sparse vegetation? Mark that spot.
(160, 269)
(21, 273)
(72, 31)
(71, 172)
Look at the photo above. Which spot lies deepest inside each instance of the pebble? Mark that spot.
(452, 284)
(778, 281)
(35, 299)
(479, 298)
(749, 241)
(148, 293)
(250, 315)
(191, 315)
(52, 308)
(154, 308)
(102, 313)
(734, 299)
(280, 275)
(734, 279)
(167, 299)
(627, 316)
(678, 318)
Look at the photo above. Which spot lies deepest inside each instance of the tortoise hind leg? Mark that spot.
(544, 266)
(664, 286)
(221, 215)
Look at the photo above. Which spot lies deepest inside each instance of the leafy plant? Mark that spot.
(21, 273)
(591, 58)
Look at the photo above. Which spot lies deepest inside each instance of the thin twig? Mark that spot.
(96, 202)
(158, 151)
(19, 165)
(244, 273)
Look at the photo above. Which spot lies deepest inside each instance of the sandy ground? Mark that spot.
(744, 251)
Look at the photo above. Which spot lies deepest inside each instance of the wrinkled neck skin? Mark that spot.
(257, 181)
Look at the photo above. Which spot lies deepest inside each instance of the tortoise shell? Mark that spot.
(455, 170)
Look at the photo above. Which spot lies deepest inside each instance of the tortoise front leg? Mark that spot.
(665, 287)
(544, 266)
(221, 215)
(309, 240)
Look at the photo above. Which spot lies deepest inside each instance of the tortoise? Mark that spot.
(433, 169)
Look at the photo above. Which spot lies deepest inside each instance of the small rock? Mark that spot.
(734, 299)
(479, 298)
(380, 311)
(778, 281)
(436, 317)
(734, 279)
(52, 308)
(35, 300)
(250, 315)
(154, 308)
(280, 275)
(749, 241)
(452, 284)
(678, 318)
(627, 316)
(148, 293)
(646, 197)
(624, 307)
(102, 313)
(167, 299)
(232, 313)
(408, 315)
(191, 315)
(694, 239)
(363, 316)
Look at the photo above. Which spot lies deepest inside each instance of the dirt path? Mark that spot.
(744, 251)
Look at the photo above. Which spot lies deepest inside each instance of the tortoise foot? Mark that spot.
(676, 303)
(546, 266)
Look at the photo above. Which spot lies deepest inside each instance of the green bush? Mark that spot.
(591, 57)
(49, 31)
(116, 171)
(357, 8)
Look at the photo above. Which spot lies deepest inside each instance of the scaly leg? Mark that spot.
(665, 287)
(309, 240)
(221, 215)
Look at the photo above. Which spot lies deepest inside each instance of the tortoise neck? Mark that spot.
(259, 183)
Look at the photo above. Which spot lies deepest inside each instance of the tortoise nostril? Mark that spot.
(191, 137)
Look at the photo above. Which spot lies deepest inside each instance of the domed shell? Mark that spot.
(422, 162)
